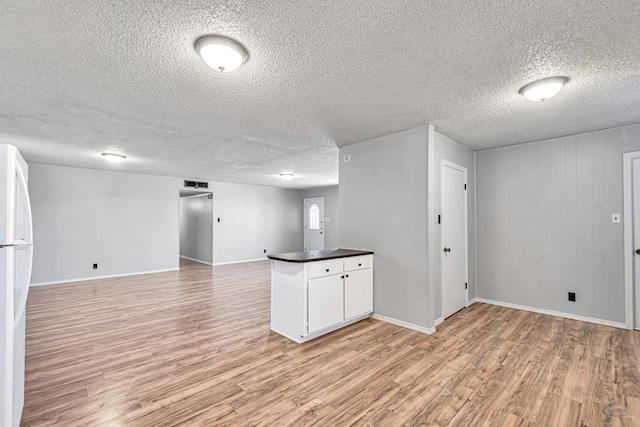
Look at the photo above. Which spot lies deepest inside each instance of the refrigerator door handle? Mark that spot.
(22, 304)
(25, 191)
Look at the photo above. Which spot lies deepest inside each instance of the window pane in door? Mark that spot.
(314, 217)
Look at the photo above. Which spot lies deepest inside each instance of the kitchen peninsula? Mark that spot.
(316, 292)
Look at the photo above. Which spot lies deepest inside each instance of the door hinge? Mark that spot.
(438, 219)
(465, 186)
(466, 286)
(307, 328)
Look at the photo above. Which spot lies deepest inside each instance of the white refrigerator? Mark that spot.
(16, 256)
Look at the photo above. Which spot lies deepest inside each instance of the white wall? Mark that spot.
(331, 211)
(448, 149)
(544, 223)
(126, 223)
(253, 219)
(383, 208)
(196, 228)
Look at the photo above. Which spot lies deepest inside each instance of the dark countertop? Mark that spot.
(317, 255)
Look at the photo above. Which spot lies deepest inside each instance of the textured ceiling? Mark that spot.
(82, 77)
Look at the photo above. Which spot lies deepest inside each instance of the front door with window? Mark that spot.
(314, 224)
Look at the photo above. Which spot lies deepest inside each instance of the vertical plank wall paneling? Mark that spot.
(544, 223)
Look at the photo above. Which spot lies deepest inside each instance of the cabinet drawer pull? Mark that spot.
(327, 270)
(347, 275)
(359, 264)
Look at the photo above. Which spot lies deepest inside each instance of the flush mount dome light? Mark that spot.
(113, 157)
(544, 89)
(221, 53)
(286, 176)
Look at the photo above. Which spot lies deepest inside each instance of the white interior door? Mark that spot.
(454, 238)
(636, 242)
(314, 224)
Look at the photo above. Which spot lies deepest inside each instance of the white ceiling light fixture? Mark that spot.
(541, 90)
(221, 53)
(113, 157)
(286, 176)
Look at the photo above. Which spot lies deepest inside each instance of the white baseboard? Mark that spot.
(472, 301)
(107, 276)
(241, 262)
(404, 324)
(554, 313)
(195, 260)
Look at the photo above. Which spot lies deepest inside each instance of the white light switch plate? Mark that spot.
(615, 218)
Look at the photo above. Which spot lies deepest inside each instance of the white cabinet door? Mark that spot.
(324, 302)
(358, 292)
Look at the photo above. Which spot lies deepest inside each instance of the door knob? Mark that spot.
(447, 249)
(638, 251)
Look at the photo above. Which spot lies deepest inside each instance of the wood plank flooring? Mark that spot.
(194, 348)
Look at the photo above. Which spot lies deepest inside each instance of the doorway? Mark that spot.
(314, 224)
(196, 226)
(454, 238)
(631, 217)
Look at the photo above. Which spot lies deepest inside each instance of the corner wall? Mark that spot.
(544, 223)
(128, 223)
(383, 208)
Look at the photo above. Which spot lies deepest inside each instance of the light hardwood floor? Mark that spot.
(194, 348)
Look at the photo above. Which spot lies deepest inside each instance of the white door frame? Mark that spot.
(627, 231)
(463, 169)
(196, 193)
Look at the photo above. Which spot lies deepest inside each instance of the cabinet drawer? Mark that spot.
(324, 270)
(358, 262)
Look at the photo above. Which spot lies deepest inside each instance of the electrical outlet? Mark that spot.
(572, 296)
(95, 266)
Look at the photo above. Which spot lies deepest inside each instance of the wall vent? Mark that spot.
(195, 184)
